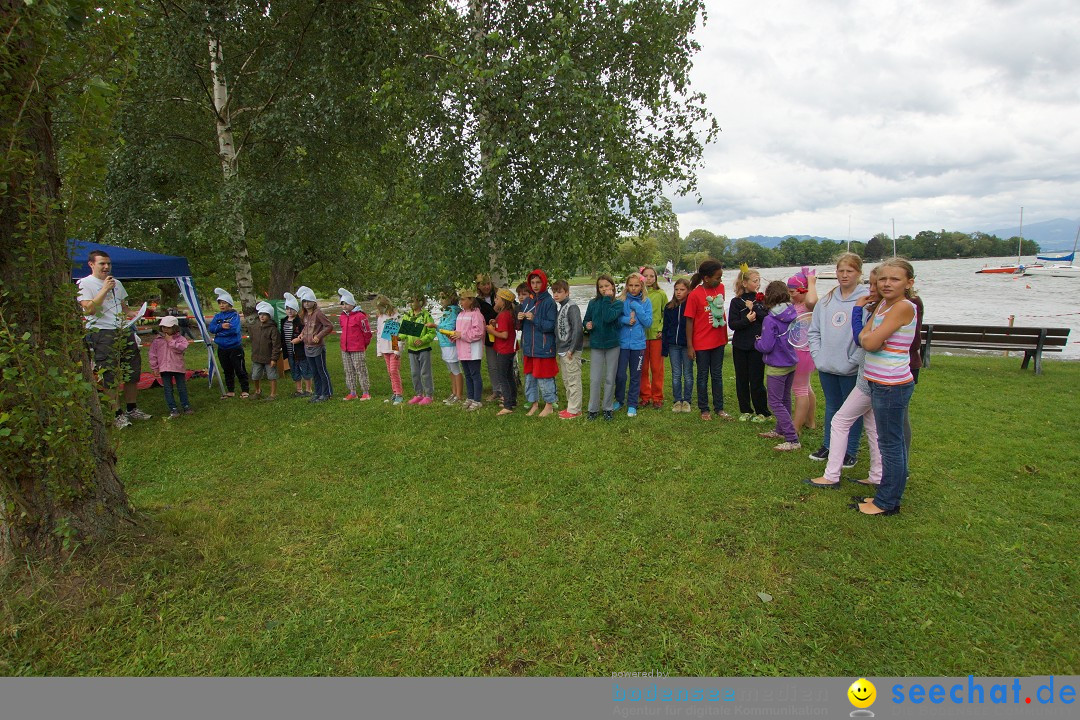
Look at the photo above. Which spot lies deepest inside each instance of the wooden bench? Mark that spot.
(1032, 341)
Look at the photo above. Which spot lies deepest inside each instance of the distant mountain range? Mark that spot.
(1050, 234)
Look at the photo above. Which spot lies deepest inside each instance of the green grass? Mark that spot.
(362, 539)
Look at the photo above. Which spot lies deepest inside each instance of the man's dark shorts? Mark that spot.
(104, 347)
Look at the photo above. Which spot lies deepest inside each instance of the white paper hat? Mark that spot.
(346, 296)
(265, 307)
(305, 293)
(292, 302)
(222, 295)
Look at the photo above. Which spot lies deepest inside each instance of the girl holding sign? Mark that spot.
(387, 323)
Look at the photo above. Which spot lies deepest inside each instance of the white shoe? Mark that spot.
(138, 414)
(122, 421)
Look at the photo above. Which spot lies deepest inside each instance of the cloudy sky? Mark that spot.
(939, 113)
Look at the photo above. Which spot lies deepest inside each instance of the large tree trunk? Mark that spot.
(59, 483)
(235, 230)
(283, 273)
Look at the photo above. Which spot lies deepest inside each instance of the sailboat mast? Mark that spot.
(1020, 243)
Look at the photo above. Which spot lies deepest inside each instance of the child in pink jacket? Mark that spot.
(469, 337)
(167, 364)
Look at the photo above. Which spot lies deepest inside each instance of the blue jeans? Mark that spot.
(546, 387)
(317, 363)
(836, 389)
(167, 380)
(710, 365)
(630, 361)
(474, 383)
(682, 374)
(890, 403)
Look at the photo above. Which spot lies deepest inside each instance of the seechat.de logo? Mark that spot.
(862, 695)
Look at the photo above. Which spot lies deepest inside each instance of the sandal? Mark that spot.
(244, 395)
(228, 395)
(708, 416)
(724, 415)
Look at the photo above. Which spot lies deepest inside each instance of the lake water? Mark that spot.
(953, 293)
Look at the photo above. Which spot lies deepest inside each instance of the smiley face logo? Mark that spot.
(862, 693)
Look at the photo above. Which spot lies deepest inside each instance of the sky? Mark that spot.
(940, 114)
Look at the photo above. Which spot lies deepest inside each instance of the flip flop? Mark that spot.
(823, 486)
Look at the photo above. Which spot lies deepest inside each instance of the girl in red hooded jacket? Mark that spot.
(536, 319)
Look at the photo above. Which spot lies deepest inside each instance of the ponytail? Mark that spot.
(707, 268)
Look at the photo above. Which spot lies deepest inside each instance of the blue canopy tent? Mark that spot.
(128, 264)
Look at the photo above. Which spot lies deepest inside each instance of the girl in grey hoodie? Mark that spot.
(835, 353)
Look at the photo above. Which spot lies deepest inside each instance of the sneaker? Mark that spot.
(609, 414)
(850, 461)
(122, 421)
(822, 454)
(686, 406)
(415, 399)
(365, 396)
(567, 415)
(631, 412)
(593, 415)
(451, 400)
(676, 407)
(299, 393)
(788, 446)
(138, 414)
(424, 401)
(474, 406)
(174, 414)
(350, 396)
(270, 398)
(723, 415)
(189, 411)
(616, 406)
(759, 418)
(657, 405)
(770, 435)
(397, 400)
(318, 398)
(745, 416)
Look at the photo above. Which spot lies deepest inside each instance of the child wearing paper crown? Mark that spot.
(290, 329)
(265, 348)
(225, 326)
(355, 337)
(419, 347)
(468, 335)
(387, 346)
(803, 288)
(167, 362)
(502, 328)
(448, 301)
(745, 317)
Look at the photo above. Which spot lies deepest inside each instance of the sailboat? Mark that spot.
(1064, 264)
(1009, 269)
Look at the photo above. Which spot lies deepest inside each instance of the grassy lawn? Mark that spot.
(362, 539)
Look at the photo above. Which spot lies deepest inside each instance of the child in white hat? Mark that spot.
(292, 349)
(265, 349)
(226, 328)
(355, 337)
(316, 327)
(167, 363)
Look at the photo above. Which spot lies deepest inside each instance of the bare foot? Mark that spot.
(547, 410)
(533, 409)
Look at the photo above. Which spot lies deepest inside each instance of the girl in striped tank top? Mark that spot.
(887, 341)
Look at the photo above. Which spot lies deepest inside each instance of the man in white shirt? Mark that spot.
(111, 347)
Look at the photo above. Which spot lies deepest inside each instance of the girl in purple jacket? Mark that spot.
(780, 362)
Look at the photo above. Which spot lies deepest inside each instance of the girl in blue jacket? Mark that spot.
(674, 346)
(636, 317)
(536, 319)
